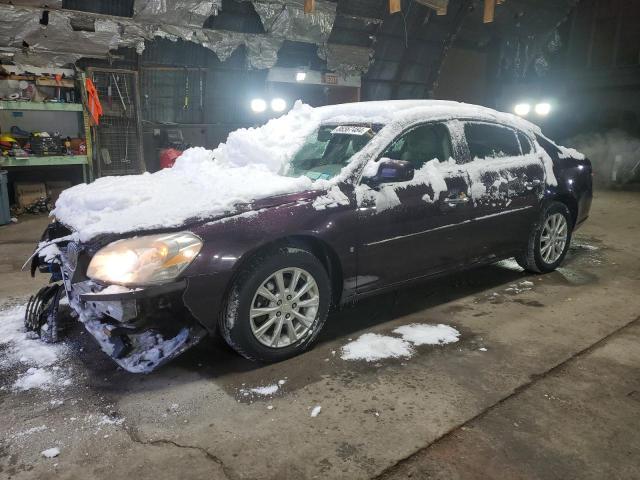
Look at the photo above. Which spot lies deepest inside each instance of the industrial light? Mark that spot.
(278, 105)
(543, 108)
(522, 109)
(301, 76)
(258, 105)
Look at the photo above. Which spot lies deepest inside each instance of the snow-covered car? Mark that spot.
(259, 238)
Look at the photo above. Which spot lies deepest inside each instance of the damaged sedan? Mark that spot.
(258, 239)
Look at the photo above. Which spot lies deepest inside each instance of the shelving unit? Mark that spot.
(54, 160)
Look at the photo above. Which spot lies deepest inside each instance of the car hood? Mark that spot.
(238, 209)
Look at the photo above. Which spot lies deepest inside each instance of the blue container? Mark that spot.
(5, 213)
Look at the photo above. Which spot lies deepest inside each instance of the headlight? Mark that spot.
(145, 260)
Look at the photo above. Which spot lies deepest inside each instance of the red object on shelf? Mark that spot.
(168, 157)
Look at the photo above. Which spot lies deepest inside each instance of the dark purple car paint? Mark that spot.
(366, 251)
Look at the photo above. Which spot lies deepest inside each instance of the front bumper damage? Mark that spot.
(139, 328)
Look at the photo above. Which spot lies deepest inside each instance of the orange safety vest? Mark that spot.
(93, 102)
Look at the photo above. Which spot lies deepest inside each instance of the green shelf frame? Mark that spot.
(40, 106)
(36, 161)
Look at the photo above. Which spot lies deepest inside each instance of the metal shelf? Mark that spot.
(35, 161)
(42, 106)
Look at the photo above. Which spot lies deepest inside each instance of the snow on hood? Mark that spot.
(202, 184)
(205, 184)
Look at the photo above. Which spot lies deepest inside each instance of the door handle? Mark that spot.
(531, 184)
(456, 200)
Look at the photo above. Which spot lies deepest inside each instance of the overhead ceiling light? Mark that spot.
(543, 108)
(301, 76)
(258, 105)
(522, 109)
(278, 105)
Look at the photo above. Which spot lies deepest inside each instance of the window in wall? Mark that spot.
(489, 141)
(421, 144)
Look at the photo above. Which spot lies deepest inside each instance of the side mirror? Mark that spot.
(390, 171)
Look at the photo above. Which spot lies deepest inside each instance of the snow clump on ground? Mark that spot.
(24, 354)
(372, 346)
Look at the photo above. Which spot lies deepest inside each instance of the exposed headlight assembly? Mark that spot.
(147, 260)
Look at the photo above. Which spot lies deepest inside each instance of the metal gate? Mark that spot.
(118, 143)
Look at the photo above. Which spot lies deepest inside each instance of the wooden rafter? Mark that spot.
(440, 6)
(489, 11)
(309, 6)
(395, 6)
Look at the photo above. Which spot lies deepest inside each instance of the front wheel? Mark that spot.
(549, 240)
(277, 306)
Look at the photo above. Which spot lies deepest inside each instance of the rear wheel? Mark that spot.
(549, 240)
(277, 306)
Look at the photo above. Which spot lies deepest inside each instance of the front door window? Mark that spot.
(420, 145)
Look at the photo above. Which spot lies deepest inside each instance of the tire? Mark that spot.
(248, 296)
(536, 258)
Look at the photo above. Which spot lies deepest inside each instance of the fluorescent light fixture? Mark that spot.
(301, 76)
(543, 108)
(522, 109)
(278, 105)
(258, 105)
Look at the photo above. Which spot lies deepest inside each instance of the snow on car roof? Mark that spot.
(404, 111)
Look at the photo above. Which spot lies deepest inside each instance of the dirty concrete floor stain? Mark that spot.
(524, 358)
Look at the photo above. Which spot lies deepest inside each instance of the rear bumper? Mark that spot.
(140, 329)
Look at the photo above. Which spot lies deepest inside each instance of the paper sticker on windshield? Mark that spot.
(350, 130)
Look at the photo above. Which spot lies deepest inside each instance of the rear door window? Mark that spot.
(525, 143)
(491, 141)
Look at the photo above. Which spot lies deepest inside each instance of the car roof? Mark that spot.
(410, 111)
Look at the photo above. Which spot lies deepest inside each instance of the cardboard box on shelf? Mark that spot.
(55, 188)
(27, 193)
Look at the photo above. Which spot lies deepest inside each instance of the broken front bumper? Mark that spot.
(140, 329)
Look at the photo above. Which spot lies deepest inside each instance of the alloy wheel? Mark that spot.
(553, 238)
(284, 307)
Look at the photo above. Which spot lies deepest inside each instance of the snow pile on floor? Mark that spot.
(51, 452)
(372, 346)
(423, 334)
(21, 350)
(266, 390)
(516, 288)
(510, 264)
(263, 390)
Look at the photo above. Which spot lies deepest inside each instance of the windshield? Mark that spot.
(328, 150)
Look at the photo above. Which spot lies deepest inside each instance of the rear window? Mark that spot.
(491, 141)
(548, 147)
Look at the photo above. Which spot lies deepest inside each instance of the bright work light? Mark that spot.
(258, 105)
(301, 76)
(543, 108)
(522, 109)
(278, 105)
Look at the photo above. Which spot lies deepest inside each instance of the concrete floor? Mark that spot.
(556, 394)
